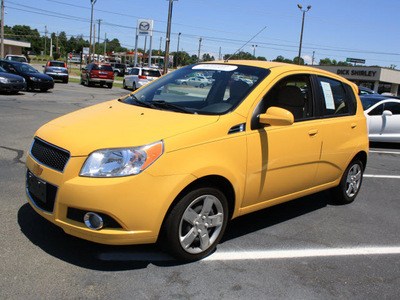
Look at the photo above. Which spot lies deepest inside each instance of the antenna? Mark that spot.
(245, 44)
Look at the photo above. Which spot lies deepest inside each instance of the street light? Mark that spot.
(167, 39)
(93, 2)
(302, 27)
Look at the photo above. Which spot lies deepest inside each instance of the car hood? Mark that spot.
(38, 75)
(114, 124)
(10, 76)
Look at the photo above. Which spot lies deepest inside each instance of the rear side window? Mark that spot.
(391, 106)
(134, 72)
(102, 68)
(152, 73)
(337, 97)
(57, 64)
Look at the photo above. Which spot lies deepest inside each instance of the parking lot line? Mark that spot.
(382, 176)
(301, 253)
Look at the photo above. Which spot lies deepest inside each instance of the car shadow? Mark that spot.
(52, 239)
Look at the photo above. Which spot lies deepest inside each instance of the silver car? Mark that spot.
(138, 77)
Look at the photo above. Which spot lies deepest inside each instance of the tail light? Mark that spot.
(142, 77)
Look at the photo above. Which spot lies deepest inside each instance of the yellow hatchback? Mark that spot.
(174, 162)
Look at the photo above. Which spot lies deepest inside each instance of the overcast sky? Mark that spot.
(337, 29)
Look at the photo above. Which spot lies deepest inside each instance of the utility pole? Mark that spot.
(2, 29)
(105, 46)
(94, 40)
(198, 57)
(302, 27)
(312, 62)
(98, 38)
(57, 43)
(93, 2)
(45, 39)
(167, 39)
(219, 55)
(177, 50)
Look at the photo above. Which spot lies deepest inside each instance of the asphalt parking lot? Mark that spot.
(305, 249)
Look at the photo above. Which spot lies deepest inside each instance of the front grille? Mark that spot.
(49, 155)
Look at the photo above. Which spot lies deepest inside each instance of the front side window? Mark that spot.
(201, 89)
(337, 100)
(292, 93)
(393, 107)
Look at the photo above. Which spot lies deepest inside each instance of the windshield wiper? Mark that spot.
(143, 103)
(164, 104)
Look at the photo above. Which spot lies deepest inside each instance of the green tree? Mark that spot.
(207, 57)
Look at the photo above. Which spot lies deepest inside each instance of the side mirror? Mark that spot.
(387, 113)
(276, 116)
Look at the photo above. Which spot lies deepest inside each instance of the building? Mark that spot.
(381, 80)
(14, 46)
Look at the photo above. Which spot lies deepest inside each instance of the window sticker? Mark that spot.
(211, 67)
(329, 101)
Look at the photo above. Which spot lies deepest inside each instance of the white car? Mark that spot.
(138, 77)
(198, 81)
(383, 118)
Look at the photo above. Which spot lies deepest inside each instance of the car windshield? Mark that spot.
(208, 89)
(24, 68)
(17, 58)
(368, 102)
(57, 64)
(102, 68)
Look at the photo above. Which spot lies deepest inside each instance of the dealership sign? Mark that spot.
(144, 27)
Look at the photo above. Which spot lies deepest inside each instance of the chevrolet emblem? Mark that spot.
(37, 170)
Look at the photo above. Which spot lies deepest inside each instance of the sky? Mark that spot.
(340, 29)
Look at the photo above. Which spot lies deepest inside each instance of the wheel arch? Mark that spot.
(363, 157)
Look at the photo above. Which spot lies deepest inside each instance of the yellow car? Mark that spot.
(174, 163)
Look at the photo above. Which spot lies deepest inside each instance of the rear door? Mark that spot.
(341, 128)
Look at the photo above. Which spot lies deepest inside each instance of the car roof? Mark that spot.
(13, 62)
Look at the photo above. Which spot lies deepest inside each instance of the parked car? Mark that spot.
(97, 73)
(170, 165)
(196, 81)
(34, 79)
(366, 91)
(138, 77)
(14, 57)
(57, 70)
(119, 69)
(11, 83)
(383, 118)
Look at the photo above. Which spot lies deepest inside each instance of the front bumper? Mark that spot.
(132, 202)
(12, 87)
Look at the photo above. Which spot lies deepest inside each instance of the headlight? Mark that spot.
(122, 161)
(4, 80)
(35, 79)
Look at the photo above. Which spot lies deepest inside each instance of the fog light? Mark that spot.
(93, 221)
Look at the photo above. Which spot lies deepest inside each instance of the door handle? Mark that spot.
(313, 132)
(353, 125)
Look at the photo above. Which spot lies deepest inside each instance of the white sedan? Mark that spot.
(383, 118)
(138, 77)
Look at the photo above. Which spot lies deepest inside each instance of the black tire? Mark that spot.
(65, 80)
(124, 85)
(133, 86)
(109, 85)
(82, 82)
(43, 90)
(201, 85)
(350, 183)
(196, 224)
(88, 82)
(184, 83)
(116, 73)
